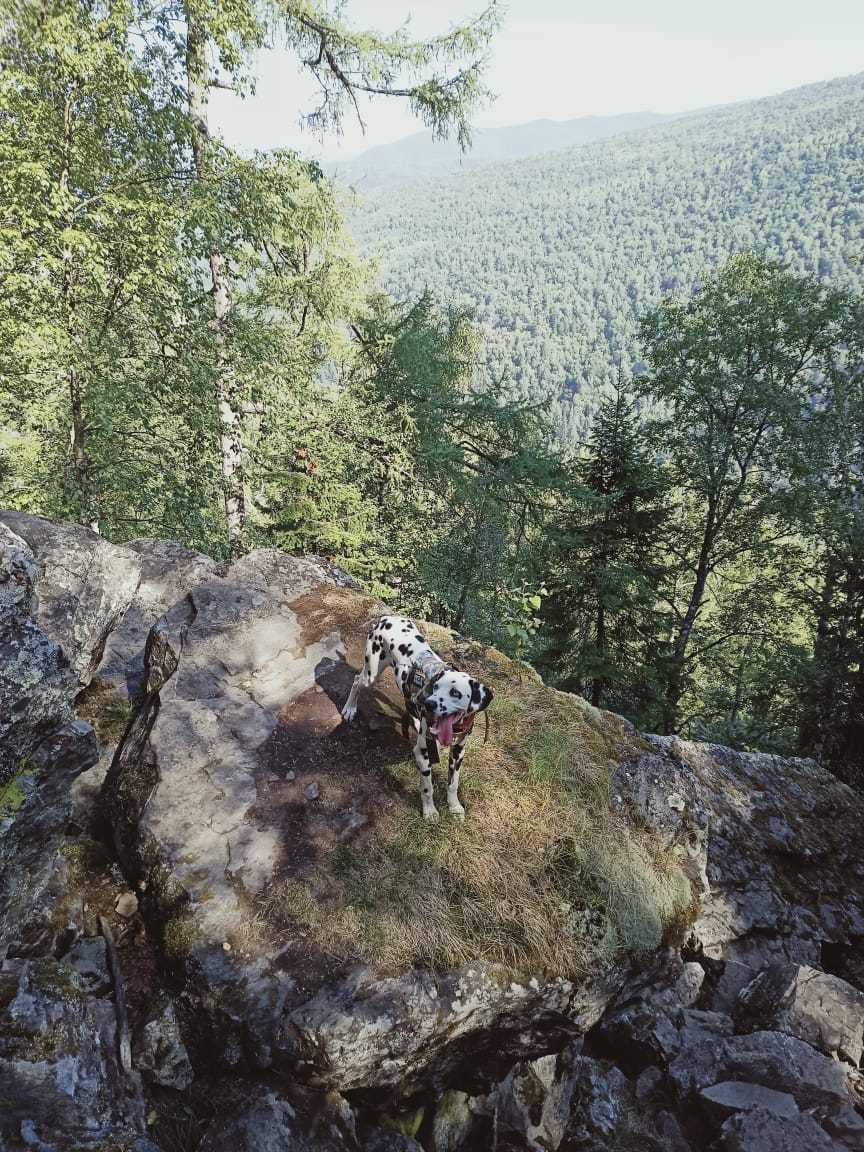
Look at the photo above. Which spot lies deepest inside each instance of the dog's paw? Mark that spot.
(457, 811)
(349, 713)
(431, 814)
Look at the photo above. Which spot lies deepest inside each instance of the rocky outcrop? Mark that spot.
(167, 572)
(221, 667)
(36, 687)
(62, 1080)
(235, 776)
(85, 586)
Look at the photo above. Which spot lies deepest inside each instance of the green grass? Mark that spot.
(543, 876)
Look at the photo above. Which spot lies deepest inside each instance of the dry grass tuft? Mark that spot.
(542, 877)
(102, 706)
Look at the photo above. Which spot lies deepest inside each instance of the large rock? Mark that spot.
(268, 1121)
(36, 900)
(168, 571)
(36, 686)
(772, 1059)
(761, 1130)
(186, 798)
(720, 1101)
(62, 1079)
(62, 1082)
(85, 586)
(815, 1006)
(780, 840)
(160, 1054)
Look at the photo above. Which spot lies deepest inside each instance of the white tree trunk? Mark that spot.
(230, 427)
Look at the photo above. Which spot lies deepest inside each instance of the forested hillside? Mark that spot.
(418, 158)
(559, 255)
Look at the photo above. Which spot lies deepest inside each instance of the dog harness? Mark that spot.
(423, 671)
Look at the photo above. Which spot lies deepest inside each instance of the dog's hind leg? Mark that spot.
(457, 751)
(367, 676)
(421, 756)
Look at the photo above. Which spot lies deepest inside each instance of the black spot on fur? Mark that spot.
(422, 639)
(376, 647)
(475, 692)
(388, 624)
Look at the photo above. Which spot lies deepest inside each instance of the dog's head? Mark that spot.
(450, 696)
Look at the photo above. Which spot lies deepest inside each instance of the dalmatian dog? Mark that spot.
(441, 702)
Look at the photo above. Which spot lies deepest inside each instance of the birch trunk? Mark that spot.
(230, 427)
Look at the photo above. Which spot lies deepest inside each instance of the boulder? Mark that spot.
(37, 904)
(780, 842)
(720, 1101)
(812, 1005)
(771, 1059)
(160, 1054)
(36, 686)
(531, 1105)
(452, 1122)
(760, 1130)
(85, 586)
(600, 1096)
(565, 1101)
(268, 1121)
(734, 977)
(189, 801)
(62, 1083)
(168, 571)
(846, 1125)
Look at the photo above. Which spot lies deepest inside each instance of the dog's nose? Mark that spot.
(432, 705)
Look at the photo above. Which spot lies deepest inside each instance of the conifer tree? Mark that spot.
(601, 615)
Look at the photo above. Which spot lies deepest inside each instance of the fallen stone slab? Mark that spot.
(720, 1101)
(817, 1007)
(772, 1059)
(763, 1131)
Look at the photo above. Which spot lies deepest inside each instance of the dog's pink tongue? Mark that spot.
(444, 730)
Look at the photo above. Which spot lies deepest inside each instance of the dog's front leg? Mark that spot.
(421, 755)
(457, 751)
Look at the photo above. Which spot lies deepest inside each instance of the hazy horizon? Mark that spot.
(566, 59)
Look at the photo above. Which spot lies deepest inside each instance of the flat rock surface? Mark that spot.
(817, 1007)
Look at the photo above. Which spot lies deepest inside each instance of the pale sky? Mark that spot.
(565, 58)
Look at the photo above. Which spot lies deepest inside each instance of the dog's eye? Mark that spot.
(455, 694)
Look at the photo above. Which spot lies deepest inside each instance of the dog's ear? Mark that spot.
(481, 696)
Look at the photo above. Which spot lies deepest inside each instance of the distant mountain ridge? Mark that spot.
(559, 255)
(418, 157)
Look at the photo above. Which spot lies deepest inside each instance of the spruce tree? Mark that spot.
(601, 616)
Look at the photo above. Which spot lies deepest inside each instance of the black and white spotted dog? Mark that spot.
(441, 701)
